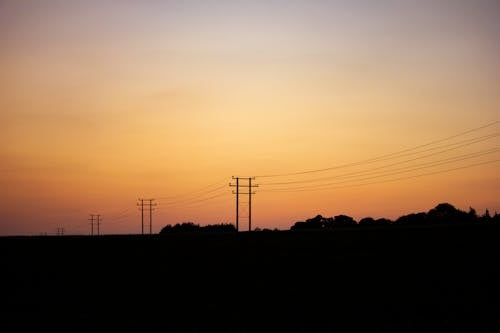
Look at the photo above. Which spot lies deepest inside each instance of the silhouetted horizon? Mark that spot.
(400, 278)
(443, 214)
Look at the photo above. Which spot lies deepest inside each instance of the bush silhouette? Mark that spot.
(367, 221)
(319, 223)
(191, 227)
(413, 219)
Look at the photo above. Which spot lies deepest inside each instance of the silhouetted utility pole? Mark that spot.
(60, 231)
(150, 204)
(91, 219)
(237, 192)
(98, 223)
(250, 203)
(237, 185)
(97, 219)
(142, 215)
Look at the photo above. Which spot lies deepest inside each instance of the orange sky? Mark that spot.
(104, 103)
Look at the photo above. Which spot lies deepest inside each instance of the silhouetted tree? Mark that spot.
(412, 219)
(315, 223)
(338, 221)
(181, 227)
(329, 223)
(324, 223)
(165, 229)
(344, 221)
(266, 229)
(191, 227)
(472, 213)
(367, 221)
(222, 227)
(486, 217)
(445, 213)
(300, 225)
(383, 221)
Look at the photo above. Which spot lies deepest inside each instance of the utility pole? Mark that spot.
(237, 199)
(60, 231)
(249, 204)
(91, 219)
(97, 219)
(98, 223)
(150, 204)
(142, 215)
(250, 193)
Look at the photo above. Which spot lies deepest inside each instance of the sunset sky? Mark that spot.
(105, 102)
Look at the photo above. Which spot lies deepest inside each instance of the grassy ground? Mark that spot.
(381, 279)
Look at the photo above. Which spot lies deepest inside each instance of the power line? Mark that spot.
(389, 173)
(119, 215)
(462, 144)
(198, 201)
(120, 218)
(426, 165)
(386, 170)
(309, 189)
(189, 200)
(376, 159)
(204, 189)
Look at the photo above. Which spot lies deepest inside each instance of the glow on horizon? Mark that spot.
(102, 103)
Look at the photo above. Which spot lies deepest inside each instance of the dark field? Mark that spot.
(376, 279)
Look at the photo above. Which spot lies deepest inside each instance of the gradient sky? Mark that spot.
(105, 102)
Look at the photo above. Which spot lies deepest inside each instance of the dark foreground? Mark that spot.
(392, 279)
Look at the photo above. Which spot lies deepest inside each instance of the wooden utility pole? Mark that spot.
(238, 192)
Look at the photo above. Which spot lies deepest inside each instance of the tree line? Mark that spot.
(192, 227)
(442, 214)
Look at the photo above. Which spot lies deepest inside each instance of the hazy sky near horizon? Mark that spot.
(105, 102)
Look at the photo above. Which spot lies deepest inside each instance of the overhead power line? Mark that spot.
(197, 202)
(196, 197)
(309, 189)
(120, 215)
(381, 157)
(387, 170)
(194, 193)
